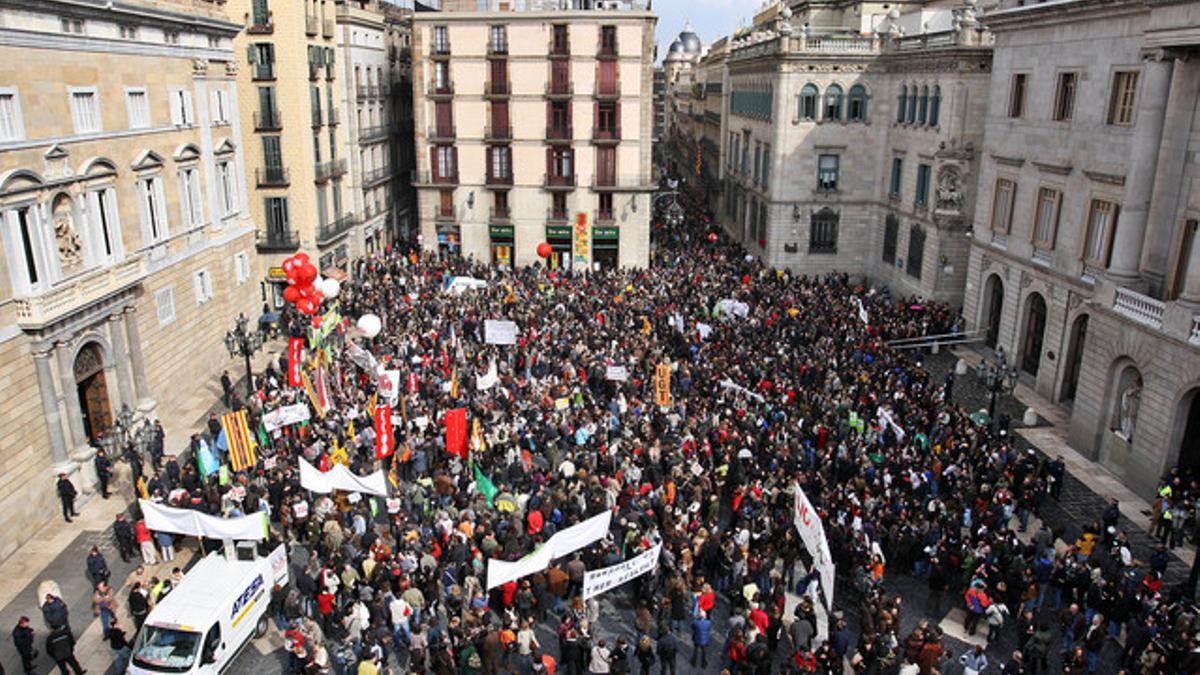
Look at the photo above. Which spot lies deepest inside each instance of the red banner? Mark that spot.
(295, 356)
(412, 383)
(456, 432)
(385, 442)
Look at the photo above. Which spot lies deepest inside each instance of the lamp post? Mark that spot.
(119, 436)
(998, 378)
(244, 341)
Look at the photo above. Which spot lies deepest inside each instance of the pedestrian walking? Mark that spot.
(22, 635)
(66, 495)
(60, 645)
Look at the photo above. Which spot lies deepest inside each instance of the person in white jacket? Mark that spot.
(601, 657)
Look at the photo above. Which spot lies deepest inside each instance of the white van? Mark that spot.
(205, 621)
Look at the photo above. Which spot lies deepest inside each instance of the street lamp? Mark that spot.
(998, 378)
(114, 442)
(242, 341)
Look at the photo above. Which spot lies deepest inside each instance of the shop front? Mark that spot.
(606, 242)
(559, 238)
(501, 239)
(449, 242)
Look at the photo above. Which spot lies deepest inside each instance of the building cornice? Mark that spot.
(68, 42)
(616, 16)
(1059, 11)
(116, 10)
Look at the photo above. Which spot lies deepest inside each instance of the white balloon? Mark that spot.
(370, 325)
(332, 288)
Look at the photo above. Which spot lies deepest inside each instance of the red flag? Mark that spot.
(295, 355)
(412, 383)
(456, 432)
(385, 442)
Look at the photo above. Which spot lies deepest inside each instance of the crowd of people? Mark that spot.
(778, 382)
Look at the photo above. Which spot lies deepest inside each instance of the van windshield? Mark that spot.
(166, 650)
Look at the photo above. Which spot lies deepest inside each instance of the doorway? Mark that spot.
(1074, 359)
(1189, 442)
(1035, 331)
(92, 390)
(994, 297)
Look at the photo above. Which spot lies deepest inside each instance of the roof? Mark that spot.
(209, 587)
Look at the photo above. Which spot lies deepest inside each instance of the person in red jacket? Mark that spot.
(146, 542)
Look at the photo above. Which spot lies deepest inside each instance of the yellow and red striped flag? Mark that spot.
(241, 442)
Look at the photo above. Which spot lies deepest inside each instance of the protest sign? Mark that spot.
(598, 581)
(285, 416)
(162, 518)
(812, 534)
(496, 332)
(616, 373)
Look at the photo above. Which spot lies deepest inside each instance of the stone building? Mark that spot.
(1084, 265)
(125, 228)
(535, 126)
(849, 140)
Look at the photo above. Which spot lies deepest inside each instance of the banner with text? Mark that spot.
(812, 533)
(599, 581)
(295, 357)
(497, 332)
(286, 416)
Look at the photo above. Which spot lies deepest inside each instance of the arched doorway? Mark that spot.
(1035, 331)
(92, 391)
(1188, 417)
(1074, 358)
(993, 294)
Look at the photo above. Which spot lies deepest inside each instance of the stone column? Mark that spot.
(1130, 234)
(58, 442)
(145, 404)
(120, 357)
(1190, 297)
(66, 375)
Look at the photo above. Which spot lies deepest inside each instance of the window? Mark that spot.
(560, 163)
(501, 164)
(441, 40)
(128, 32)
(1016, 95)
(608, 39)
(441, 76)
(822, 237)
(560, 39)
(604, 206)
(1102, 221)
(104, 224)
(757, 160)
(921, 198)
(12, 124)
(1046, 224)
(833, 102)
(220, 106)
(935, 105)
(901, 104)
(897, 176)
(1124, 93)
(85, 110)
(916, 251)
(260, 12)
(138, 107)
(1002, 205)
(277, 216)
(190, 197)
(262, 57)
(923, 106)
(891, 232)
(499, 43)
(171, 37)
(1064, 96)
(241, 267)
(856, 109)
(227, 187)
(912, 104)
(444, 161)
(766, 165)
(735, 154)
(181, 108)
(202, 285)
(606, 118)
(272, 157)
(153, 207)
(807, 108)
(25, 246)
(164, 302)
(827, 173)
(68, 25)
(746, 153)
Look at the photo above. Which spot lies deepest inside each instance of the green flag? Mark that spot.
(263, 442)
(223, 475)
(485, 486)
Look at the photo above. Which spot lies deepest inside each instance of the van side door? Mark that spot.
(212, 651)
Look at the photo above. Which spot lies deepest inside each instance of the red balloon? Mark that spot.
(307, 273)
(544, 250)
(291, 294)
(300, 258)
(712, 236)
(316, 321)
(317, 297)
(305, 306)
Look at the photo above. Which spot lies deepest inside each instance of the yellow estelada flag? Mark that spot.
(371, 404)
(239, 440)
(338, 455)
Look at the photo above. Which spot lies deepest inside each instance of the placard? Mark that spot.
(497, 332)
(598, 581)
(616, 373)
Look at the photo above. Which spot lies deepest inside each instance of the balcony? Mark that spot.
(272, 176)
(559, 49)
(376, 177)
(273, 241)
(260, 25)
(552, 182)
(332, 230)
(1141, 308)
(557, 215)
(442, 133)
(268, 120)
(311, 25)
(604, 216)
(607, 91)
(327, 28)
(497, 134)
(500, 213)
(608, 183)
(443, 215)
(429, 179)
(444, 91)
(819, 44)
(77, 291)
(263, 72)
(606, 136)
(367, 92)
(557, 90)
(505, 181)
(439, 50)
(375, 134)
(326, 171)
(559, 134)
(607, 51)
(497, 47)
(494, 89)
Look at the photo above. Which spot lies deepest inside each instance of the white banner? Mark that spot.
(734, 307)
(185, 521)
(599, 581)
(500, 572)
(389, 385)
(564, 542)
(488, 379)
(340, 478)
(812, 533)
(497, 332)
(286, 416)
(704, 330)
(459, 285)
(616, 373)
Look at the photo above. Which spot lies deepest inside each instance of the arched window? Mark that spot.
(935, 105)
(833, 103)
(808, 102)
(912, 105)
(901, 104)
(923, 106)
(856, 109)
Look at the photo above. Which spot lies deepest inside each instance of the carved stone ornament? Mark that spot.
(199, 67)
(66, 237)
(949, 189)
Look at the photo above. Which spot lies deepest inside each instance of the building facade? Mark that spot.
(125, 228)
(535, 126)
(1084, 265)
